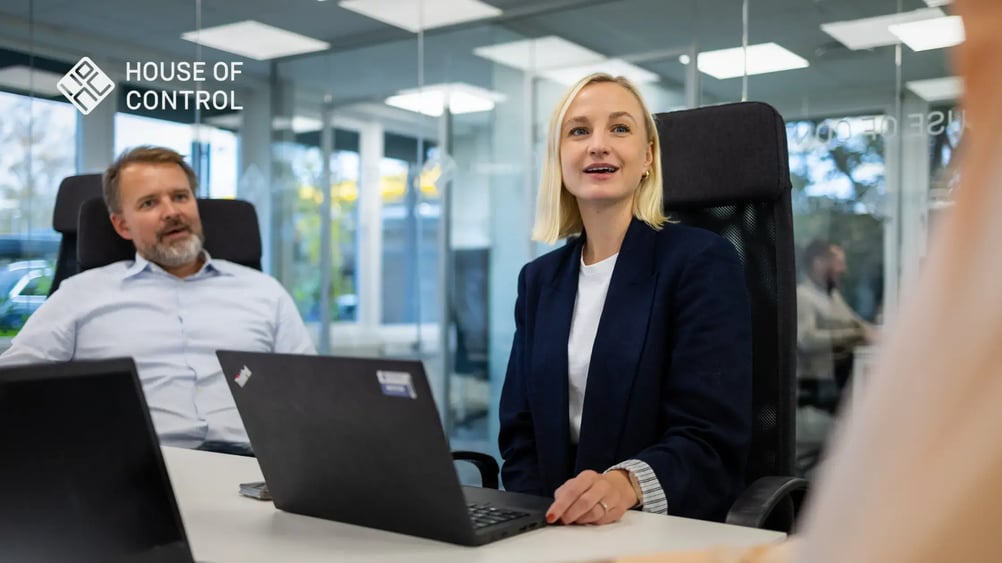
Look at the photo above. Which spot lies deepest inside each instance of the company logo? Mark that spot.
(85, 85)
(243, 376)
(195, 80)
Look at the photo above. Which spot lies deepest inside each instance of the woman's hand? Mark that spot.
(592, 498)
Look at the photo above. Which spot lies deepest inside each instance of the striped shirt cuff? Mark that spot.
(654, 499)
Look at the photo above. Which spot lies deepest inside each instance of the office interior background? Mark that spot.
(392, 147)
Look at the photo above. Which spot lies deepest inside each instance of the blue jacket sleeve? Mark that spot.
(516, 440)
(706, 400)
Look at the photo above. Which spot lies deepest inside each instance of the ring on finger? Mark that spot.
(605, 507)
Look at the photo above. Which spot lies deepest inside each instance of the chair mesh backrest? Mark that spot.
(726, 169)
(230, 227)
(73, 191)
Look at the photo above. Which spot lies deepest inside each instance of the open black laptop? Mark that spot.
(82, 477)
(359, 441)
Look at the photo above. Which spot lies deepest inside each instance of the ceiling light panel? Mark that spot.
(937, 33)
(560, 60)
(255, 40)
(868, 33)
(550, 52)
(761, 59)
(415, 16)
(615, 67)
(948, 88)
(432, 99)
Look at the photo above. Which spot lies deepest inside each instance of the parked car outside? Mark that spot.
(24, 286)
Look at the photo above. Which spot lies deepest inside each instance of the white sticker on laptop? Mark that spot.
(243, 376)
(396, 384)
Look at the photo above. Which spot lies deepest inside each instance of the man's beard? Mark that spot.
(176, 253)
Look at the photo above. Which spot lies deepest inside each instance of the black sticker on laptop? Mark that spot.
(396, 384)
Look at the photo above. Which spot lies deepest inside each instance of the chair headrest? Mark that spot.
(230, 227)
(73, 191)
(723, 155)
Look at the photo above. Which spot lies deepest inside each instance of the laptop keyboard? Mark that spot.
(484, 515)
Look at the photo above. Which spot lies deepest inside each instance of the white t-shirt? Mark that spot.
(593, 285)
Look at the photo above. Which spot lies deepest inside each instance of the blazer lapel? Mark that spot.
(619, 343)
(549, 366)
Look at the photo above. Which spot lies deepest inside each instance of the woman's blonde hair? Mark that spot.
(557, 214)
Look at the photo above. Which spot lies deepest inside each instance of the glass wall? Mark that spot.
(34, 157)
(394, 165)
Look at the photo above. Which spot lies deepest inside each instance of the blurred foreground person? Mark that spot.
(916, 470)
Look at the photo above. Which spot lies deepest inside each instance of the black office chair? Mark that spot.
(73, 191)
(230, 227)
(726, 169)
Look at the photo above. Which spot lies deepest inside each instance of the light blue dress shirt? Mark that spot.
(172, 328)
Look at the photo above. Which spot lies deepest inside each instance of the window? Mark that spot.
(36, 152)
(37, 286)
(944, 142)
(837, 167)
(211, 151)
(24, 285)
(306, 165)
(134, 130)
(410, 244)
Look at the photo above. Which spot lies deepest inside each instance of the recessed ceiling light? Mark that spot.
(761, 59)
(868, 33)
(550, 52)
(431, 99)
(615, 67)
(255, 40)
(560, 60)
(425, 14)
(937, 33)
(27, 79)
(937, 89)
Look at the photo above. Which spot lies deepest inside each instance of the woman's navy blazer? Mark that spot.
(670, 375)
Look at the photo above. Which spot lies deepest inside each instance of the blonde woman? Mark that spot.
(629, 382)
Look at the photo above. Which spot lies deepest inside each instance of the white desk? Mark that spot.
(224, 526)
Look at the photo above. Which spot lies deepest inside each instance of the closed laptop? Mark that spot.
(82, 477)
(358, 440)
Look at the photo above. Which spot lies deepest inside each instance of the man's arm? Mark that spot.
(50, 333)
(869, 331)
(811, 337)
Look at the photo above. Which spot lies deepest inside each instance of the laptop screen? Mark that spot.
(81, 473)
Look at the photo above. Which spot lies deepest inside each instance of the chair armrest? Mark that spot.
(770, 503)
(486, 464)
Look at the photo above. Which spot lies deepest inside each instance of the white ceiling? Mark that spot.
(370, 60)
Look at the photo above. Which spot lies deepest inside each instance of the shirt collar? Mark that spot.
(141, 264)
